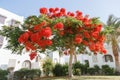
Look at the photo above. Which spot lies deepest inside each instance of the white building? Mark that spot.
(4, 66)
(23, 61)
(98, 59)
(15, 62)
(7, 18)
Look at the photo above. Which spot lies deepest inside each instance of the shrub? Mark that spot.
(91, 71)
(77, 67)
(33, 72)
(97, 69)
(58, 70)
(107, 70)
(3, 74)
(65, 69)
(77, 71)
(26, 73)
(47, 67)
(84, 68)
(117, 73)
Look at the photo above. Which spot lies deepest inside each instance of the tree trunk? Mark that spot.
(70, 62)
(75, 57)
(116, 56)
(70, 65)
(115, 53)
(117, 63)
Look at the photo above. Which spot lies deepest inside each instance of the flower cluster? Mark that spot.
(68, 29)
(36, 39)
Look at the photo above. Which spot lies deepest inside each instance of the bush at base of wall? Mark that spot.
(3, 74)
(60, 70)
(27, 74)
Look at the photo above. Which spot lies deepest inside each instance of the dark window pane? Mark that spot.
(2, 19)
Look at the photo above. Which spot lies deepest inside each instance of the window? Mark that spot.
(1, 41)
(26, 64)
(86, 62)
(94, 58)
(108, 58)
(14, 23)
(2, 19)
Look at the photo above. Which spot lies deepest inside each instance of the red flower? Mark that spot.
(101, 38)
(62, 10)
(97, 47)
(78, 13)
(68, 30)
(87, 22)
(86, 34)
(59, 26)
(47, 32)
(23, 38)
(94, 34)
(80, 29)
(48, 42)
(41, 43)
(61, 33)
(32, 55)
(43, 10)
(71, 14)
(29, 46)
(59, 14)
(104, 51)
(78, 39)
(98, 27)
(56, 9)
(39, 26)
(85, 42)
(35, 37)
(51, 10)
(92, 46)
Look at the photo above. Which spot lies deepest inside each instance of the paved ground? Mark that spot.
(100, 77)
(85, 78)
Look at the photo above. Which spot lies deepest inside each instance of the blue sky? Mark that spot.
(97, 8)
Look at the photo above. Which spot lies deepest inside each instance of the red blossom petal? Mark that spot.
(62, 10)
(32, 55)
(35, 37)
(48, 42)
(59, 26)
(86, 34)
(78, 39)
(51, 10)
(47, 32)
(29, 46)
(43, 10)
(85, 42)
(56, 9)
(23, 38)
(39, 26)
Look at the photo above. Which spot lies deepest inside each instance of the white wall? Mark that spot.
(5, 54)
(10, 16)
(35, 65)
(100, 58)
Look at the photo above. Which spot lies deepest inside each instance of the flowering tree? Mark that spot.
(55, 28)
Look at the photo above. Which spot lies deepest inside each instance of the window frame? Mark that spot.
(2, 19)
